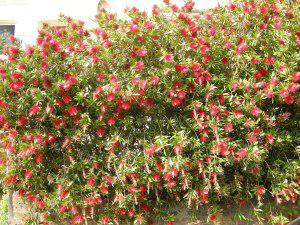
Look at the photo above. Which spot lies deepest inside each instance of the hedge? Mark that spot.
(113, 123)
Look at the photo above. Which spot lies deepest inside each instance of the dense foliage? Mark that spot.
(111, 124)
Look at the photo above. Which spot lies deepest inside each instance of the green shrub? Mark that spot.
(112, 123)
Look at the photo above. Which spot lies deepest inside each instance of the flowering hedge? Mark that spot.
(110, 124)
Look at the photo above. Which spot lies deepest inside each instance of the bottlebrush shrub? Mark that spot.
(112, 123)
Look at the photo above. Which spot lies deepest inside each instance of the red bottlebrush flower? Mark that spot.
(130, 212)
(213, 111)
(169, 58)
(116, 88)
(28, 174)
(241, 48)
(293, 87)
(175, 102)
(269, 138)
(132, 189)
(39, 158)
(184, 32)
(34, 110)
(62, 209)
(274, 81)
(193, 45)
(110, 97)
(105, 219)
(15, 86)
(142, 52)
(257, 131)
(104, 107)
(269, 93)
(156, 177)
(154, 80)
(103, 34)
(95, 59)
(106, 43)
(126, 105)
(111, 121)
(143, 84)
(73, 111)
(212, 217)
(228, 127)
(177, 149)
(41, 204)
(206, 59)
(204, 195)
(134, 28)
(77, 219)
(255, 111)
(224, 61)
(171, 183)
(227, 44)
(289, 100)
(93, 49)
(167, 176)
(101, 131)
(13, 50)
(91, 181)
(97, 92)
(211, 31)
(254, 61)
(12, 39)
(296, 77)
(16, 76)
(35, 82)
(104, 189)
(252, 138)
(260, 190)
(67, 98)
(176, 84)
(174, 8)
(184, 69)
(72, 80)
(170, 223)
(135, 80)
(284, 93)
(59, 123)
(242, 153)
(2, 71)
(171, 93)
(22, 121)
(62, 193)
(232, 7)
(44, 66)
(138, 66)
(207, 77)
(181, 94)
(151, 150)
(107, 179)
(173, 172)
(93, 201)
(113, 79)
(49, 109)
